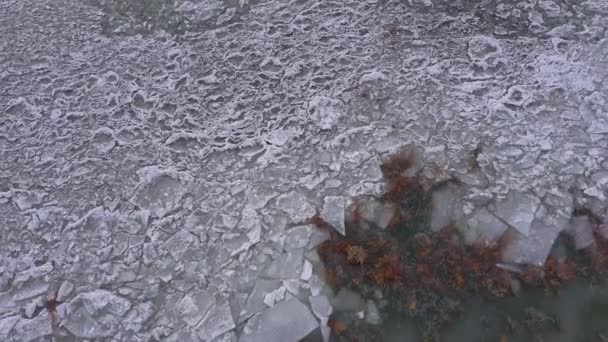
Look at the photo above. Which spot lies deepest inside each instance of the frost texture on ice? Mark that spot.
(162, 190)
(324, 111)
(124, 128)
(288, 321)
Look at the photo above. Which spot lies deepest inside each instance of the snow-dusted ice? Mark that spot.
(160, 161)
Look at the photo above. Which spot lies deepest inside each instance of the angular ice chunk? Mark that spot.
(288, 321)
(179, 243)
(595, 191)
(317, 237)
(518, 211)
(255, 301)
(252, 224)
(64, 291)
(581, 230)
(296, 206)
(297, 288)
(484, 227)
(30, 288)
(6, 302)
(6, 326)
(26, 199)
(297, 237)
(321, 308)
(376, 212)
(33, 329)
(446, 207)
(138, 315)
(217, 322)
(306, 271)
(372, 315)
(193, 307)
(93, 314)
(287, 266)
(162, 190)
(325, 332)
(534, 248)
(333, 212)
(275, 296)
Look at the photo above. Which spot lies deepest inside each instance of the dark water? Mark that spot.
(578, 312)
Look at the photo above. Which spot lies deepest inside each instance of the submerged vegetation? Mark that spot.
(428, 277)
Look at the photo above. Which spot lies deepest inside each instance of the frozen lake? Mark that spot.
(160, 159)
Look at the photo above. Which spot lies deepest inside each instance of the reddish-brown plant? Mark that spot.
(396, 164)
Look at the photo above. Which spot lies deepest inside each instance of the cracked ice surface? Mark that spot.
(156, 159)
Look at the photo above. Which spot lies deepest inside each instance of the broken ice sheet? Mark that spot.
(288, 265)
(6, 326)
(255, 301)
(518, 211)
(296, 206)
(30, 288)
(27, 199)
(324, 111)
(275, 296)
(93, 314)
(318, 236)
(297, 237)
(288, 321)
(333, 212)
(446, 206)
(535, 248)
(179, 243)
(258, 197)
(217, 322)
(33, 329)
(484, 227)
(193, 307)
(581, 230)
(252, 224)
(321, 308)
(6, 302)
(161, 191)
(236, 243)
(376, 212)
